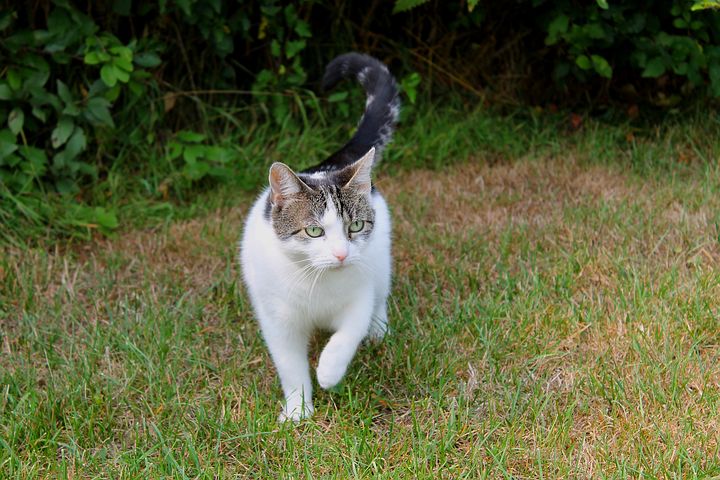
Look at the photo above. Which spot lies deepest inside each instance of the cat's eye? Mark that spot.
(314, 231)
(356, 226)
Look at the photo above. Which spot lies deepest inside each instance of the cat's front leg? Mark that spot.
(378, 323)
(352, 327)
(289, 350)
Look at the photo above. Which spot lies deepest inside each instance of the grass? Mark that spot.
(554, 310)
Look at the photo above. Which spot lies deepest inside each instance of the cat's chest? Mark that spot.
(323, 294)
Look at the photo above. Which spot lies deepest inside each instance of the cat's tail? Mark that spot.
(382, 106)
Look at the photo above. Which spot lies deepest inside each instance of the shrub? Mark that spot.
(92, 88)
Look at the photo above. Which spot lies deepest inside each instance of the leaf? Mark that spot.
(557, 27)
(169, 101)
(14, 79)
(62, 132)
(16, 120)
(5, 92)
(583, 62)
(147, 60)
(218, 154)
(472, 4)
(654, 68)
(196, 170)
(262, 28)
(190, 137)
(705, 4)
(275, 48)
(92, 58)
(36, 163)
(71, 109)
(36, 80)
(192, 152)
(64, 92)
(603, 4)
(40, 114)
(294, 47)
(11, 161)
(409, 85)
(174, 150)
(337, 97)
(105, 219)
(99, 109)
(107, 73)
(405, 5)
(302, 28)
(121, 74)
(111, 94)
(602, 67)
(76, 144)
(7, 143)
(123, 52)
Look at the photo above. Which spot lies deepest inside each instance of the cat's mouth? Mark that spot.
(334, 265)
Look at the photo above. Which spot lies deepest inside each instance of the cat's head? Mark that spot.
(324, 219)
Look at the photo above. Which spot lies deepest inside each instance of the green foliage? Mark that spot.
(200, 160)
(409, 85)
(96, 97)
(705, 4)
(57, 90)
(278, 85)
(652, 39)
(405, 5)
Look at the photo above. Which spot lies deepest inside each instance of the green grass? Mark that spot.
(141, 185)
(554, 315)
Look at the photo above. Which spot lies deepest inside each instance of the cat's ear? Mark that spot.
(284, 183)
(360, 173)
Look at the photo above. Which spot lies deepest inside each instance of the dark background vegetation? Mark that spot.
(111, 104)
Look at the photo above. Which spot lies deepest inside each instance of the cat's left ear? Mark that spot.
(284, 184)
(360, 173)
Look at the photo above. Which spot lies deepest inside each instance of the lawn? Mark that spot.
(554, 315)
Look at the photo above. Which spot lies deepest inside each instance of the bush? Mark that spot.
(637, 40)
(90, 88)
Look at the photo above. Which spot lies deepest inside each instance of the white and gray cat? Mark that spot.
(315, 251)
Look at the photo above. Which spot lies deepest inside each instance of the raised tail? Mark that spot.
(382, 107)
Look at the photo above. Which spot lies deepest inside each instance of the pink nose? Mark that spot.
(340, 254)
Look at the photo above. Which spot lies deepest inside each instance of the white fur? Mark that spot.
(298, 287)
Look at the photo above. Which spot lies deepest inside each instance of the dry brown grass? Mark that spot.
(554, 311)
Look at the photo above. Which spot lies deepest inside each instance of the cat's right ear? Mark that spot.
(284, 183)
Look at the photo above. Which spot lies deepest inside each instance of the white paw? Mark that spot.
(378, 329)
(329, 373)
(295, 413)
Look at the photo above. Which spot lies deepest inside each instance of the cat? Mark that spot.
(315, 251)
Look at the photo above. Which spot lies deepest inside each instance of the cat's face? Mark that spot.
(323, 221)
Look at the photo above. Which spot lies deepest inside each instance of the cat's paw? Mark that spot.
(295, 414)
(328, 373)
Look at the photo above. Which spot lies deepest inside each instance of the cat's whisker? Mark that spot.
(301, 261)
(298, 278)
(320, 271)
(367, 269)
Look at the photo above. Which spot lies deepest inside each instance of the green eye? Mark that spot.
(314, 231)
(356, 226)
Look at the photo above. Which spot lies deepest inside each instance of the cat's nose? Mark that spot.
(340, 254)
